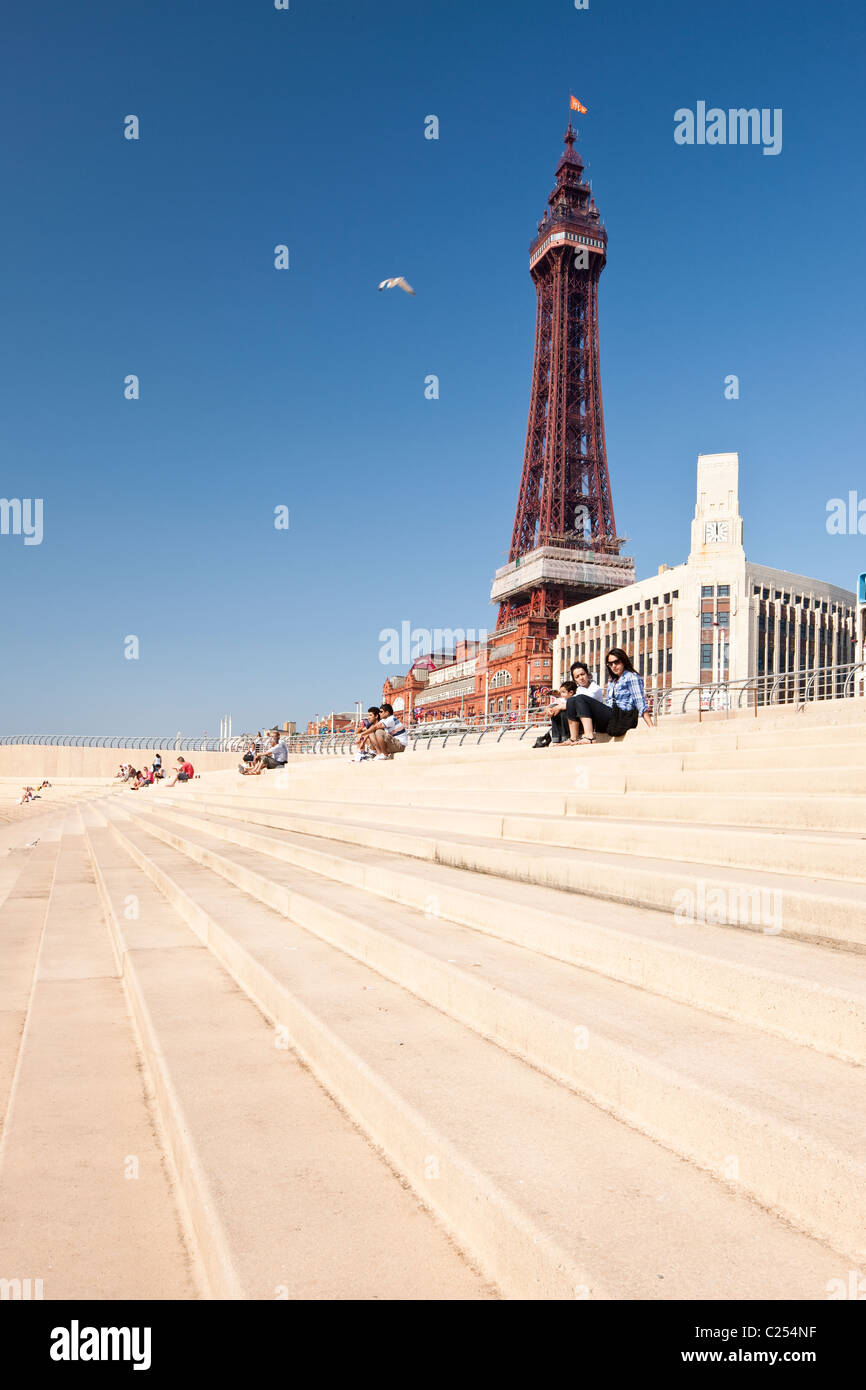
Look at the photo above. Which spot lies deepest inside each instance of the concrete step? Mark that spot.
(597, 1209)
(285, 1196)
(777, 811)
(805, 754)
(22, 918)
(812, 909)
(85, 1200)
(844, 813)
(813, 854)
(706, 1088)
(584, 769)
(793, 989)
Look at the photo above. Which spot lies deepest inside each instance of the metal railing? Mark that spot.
(800, 688)
(168, 743)
(453, 733)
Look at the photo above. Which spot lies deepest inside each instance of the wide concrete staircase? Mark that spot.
(566, 1023)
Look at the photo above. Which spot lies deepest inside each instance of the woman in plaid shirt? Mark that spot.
(624, 702)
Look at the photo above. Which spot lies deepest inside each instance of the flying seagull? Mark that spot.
(397, 280)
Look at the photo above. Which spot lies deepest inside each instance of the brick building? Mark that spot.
(505, 675)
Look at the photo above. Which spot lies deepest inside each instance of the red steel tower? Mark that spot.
(564, 546)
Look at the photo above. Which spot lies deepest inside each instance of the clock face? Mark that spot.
(716, 531)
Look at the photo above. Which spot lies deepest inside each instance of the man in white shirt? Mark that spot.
(582, 677)
(277, 755)
(387, 735)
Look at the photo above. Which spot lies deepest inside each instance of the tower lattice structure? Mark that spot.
(564, 546)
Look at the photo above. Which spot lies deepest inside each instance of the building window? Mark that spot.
(706, 620)
(708, 590)
(667, 598)
(706, 656)
(675, 594)
(508, 704)
(724, 591)
(723, 619)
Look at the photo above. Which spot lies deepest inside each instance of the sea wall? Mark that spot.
(35, 761)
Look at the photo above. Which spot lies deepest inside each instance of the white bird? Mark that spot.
(398, 280)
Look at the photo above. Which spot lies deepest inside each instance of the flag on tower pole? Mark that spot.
(576, 106)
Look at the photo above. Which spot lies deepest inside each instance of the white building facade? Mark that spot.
(718, 617)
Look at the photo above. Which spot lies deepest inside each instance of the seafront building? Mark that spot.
(718, 616)
(567, 593)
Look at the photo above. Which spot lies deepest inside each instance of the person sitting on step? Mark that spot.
(556, 710)
(624, 702)
(276, 755)
(581, 675)
(386, 736)
(374, 714)
(184, 772)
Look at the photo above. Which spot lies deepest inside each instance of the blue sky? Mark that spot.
(305, 387)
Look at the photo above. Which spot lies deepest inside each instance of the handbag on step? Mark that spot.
(621, 720)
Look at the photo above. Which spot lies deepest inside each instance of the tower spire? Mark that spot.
(564, 546)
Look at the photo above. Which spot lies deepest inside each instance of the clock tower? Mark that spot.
(717, 529)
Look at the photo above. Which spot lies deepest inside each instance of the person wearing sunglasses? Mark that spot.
(624, 703)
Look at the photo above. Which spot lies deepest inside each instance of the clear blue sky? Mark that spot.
(306, 387)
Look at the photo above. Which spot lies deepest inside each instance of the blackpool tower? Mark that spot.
(564, 547)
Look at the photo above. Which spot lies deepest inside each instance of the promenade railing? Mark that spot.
(780, 688)
(169, 743)
(799, 688)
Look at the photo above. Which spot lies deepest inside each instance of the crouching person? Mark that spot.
(385, 736)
